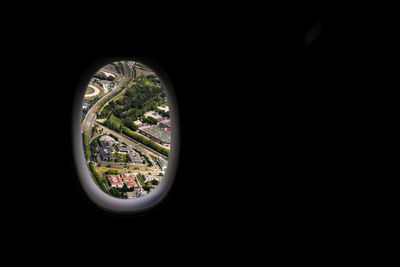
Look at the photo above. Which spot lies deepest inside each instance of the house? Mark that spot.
(127, 176)
(115, 180)
(130, 183)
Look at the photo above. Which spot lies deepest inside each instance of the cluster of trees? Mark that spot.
(146, 187)
(153, 78)
(102, 76)
(93, 147)
(115, 172)
(120, 157)
(145, 95)
(125, 189)
(140, 178)
(112, 125)
(96, 177)
(86, 144)
(148, 161)
(106, 112)
(150, 120)
(162, 112)
(116, 193)
(130, 124)
(98, 82)
(154, 182)
(100, 115)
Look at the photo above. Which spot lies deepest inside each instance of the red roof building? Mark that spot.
(127, 176)
(130, 183)
(115, 180)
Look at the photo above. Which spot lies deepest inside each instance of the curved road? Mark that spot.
(91, 115)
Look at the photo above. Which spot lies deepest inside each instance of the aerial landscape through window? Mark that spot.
(126, 129)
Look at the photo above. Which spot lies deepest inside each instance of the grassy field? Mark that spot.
(115, 119)
(89, 90)
(121, 157)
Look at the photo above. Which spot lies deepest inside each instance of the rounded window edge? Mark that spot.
(93, 192)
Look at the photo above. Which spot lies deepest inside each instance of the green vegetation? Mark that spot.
(140, 178)
(89, 90)
(125, 189)
(115, 172)
(102, 76)
(146, 188)
(148, 160)
(86, 144)
(112, 125)
(101, 115)
(130, 124)
(98, 82)
(150, 120)
(115, 193)
(120, 157)
(154, 182)
(93, 146)
(96, 177)
(143, 96)
(162, 112)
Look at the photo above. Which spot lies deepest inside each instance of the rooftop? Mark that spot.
(114, 179)
(166, 123)
(127, 176)
(130, 183)
(158, 133)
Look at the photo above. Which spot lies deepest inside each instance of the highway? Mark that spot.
(90, 117)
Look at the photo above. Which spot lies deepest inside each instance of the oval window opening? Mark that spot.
(126, 145)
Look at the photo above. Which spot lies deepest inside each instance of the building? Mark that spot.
(129, 179)
(157, 134)
(162, 163)
(127, 176)
(107, 142)
(130, 184)
(106, 150)
(115, 180)
(165, 125)
(123, 148)
(133, 156)
(106, 155)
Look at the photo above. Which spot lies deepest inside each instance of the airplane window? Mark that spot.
(127, 132)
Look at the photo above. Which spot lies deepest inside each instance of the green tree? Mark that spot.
(86, 144)
(114, 192)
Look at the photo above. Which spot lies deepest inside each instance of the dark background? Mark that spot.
(279, 122)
